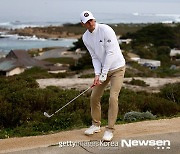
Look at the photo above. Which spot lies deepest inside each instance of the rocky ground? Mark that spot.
(53, 32)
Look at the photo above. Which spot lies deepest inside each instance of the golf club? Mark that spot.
(49, 116)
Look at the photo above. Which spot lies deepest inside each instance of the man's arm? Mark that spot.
(110, 47)
(96, 65)
(95, 60)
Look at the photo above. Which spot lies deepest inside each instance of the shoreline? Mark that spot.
(71, 30)
(49, 32)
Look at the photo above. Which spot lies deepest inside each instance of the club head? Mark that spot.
(47, 115)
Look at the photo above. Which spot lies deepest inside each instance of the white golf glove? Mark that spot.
(102, 77)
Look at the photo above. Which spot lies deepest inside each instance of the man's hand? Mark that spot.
(96, 80)
(102, 77)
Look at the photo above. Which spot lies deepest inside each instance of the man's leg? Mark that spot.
(96, 108)
(96, 95)
(116, 81)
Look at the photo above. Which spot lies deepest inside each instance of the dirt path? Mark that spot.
(80, 83)
(122, 131)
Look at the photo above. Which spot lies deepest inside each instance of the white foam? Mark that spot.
(16, 36)
(18, 24)
(167, 22)
(32, 38)
(168, 15)
(5, 24)
(13, 36)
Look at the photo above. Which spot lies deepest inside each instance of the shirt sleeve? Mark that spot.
(110, 49)
(95, 60)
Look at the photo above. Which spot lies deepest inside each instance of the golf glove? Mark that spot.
(102, 77)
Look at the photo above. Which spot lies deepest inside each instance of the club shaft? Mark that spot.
(72, 100)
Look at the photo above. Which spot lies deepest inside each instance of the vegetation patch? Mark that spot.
(22, 104)
(87, 76)
(138, 116)
(137, 82)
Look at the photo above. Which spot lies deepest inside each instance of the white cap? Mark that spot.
(85, 16)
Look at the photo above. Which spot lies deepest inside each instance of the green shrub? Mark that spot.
(157, 34)
(79, 44)
(60, 75)
(22, 105)
(84, 62)
(137, 82)
(87, 76)
(138, 116)
(142, 71)
(166, 72)
(36, 72)
(171, 92)
(142, 102)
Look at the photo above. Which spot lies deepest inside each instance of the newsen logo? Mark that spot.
(157, 144)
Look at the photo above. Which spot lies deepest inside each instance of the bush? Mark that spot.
(141, 71)
(137, 116)
(22, 105)
(137, 82)
(142, 102)
(156, 34)
(171, 92)
(79, 44)
(84, 62)
(60, 75)
(24, 108)
(87, 76)
(167, 72)
(36, 72)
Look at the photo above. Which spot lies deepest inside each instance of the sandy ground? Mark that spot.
(79, 83)
(138, 129)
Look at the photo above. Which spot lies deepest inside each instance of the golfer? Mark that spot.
(109, 67)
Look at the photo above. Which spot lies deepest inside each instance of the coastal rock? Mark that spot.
(51, 32)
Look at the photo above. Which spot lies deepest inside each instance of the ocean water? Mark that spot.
(21, 13)
(10, 42)
(111, 18)
(24, 13)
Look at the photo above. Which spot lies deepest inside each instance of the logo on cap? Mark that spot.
(86, 14)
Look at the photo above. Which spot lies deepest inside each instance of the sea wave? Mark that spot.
(136, 17)
(32, 38)
(18, 37)
(5, 23)
(19, 24)
(11, 36)
(169, 15)
(156, 14)
(14, 25)
(164, 18)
